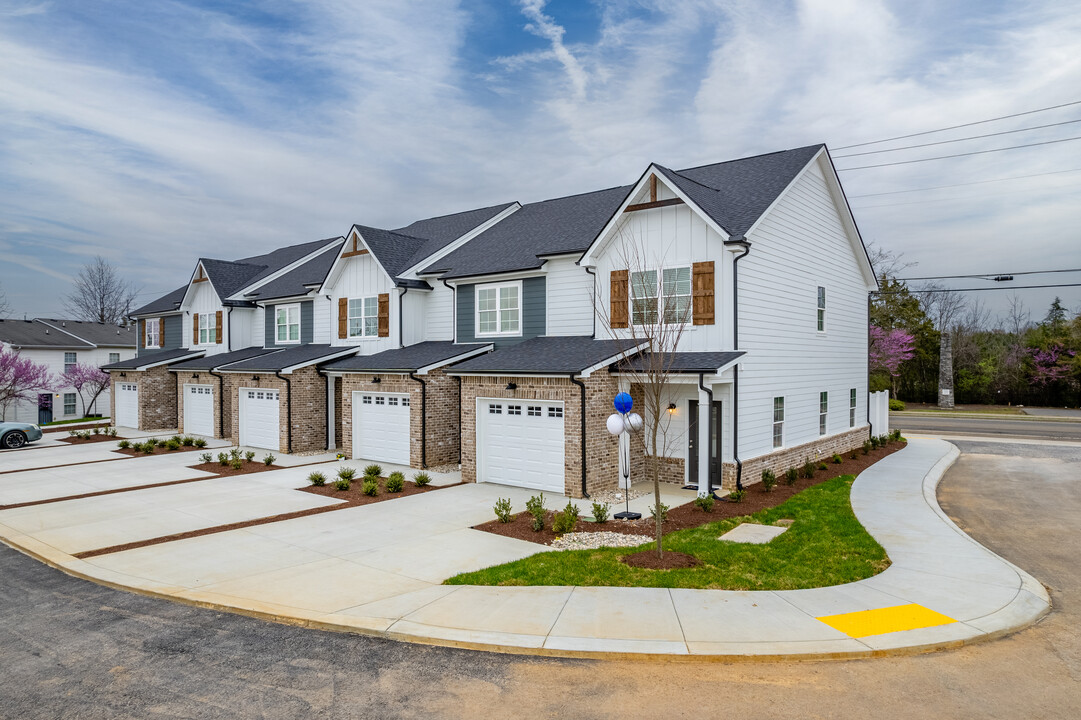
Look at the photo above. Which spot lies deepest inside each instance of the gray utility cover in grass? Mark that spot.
(751, 533)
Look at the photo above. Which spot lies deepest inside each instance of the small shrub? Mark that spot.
(148, 447)
(124, 444)
(896, 405)
(373, 470)
(269, 459)
(395, 482)
(790, 476)
(370, 487)
(234, 453)
(187, 441)
(206, 458)
(317, 479)
(161, 443)
(601, 512)
(200, 443)
(535, 507)
(73, 433)
(236, 464)
(422, 479)
(537, 523)
(853, 455)
(97, 431)
(769, 480)
(704, 503)
(564, 522)
(653, 513)
(837, 459)
(249, 456)
(808, 470)
(172, 445)
(867, 447)
(342, 484)
(347, 473)
(883, 440)
(737, 495)
(112, 432)
(823, 466)
(895, 436)
(874, 442)
(503, 510)
(177, 438)
(223, 459)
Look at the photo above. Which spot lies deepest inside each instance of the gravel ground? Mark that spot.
(594, 540)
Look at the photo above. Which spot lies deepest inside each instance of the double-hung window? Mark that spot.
(664, 294)
(821, 309)
(852, 408)
(114, 358)
(364, 317)
(823, 411)
(676, 294)
(644, 297)
(69, 403)
(778, 422)
(153, 332)
(499, 309)
(70, 360)
(208, 329)
(287, 320)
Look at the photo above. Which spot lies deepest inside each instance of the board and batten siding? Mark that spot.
(204, 301)
(533, 313)
(799, 246)
(358, 277)
(569, 296)
(306, 324)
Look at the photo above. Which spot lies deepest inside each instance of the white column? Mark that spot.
(331, 410)
(703, 441)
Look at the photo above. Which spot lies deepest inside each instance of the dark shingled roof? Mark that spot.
(393, 250)
(562, 225)
(293, 283)
(30, 333)
(407, 359)
(210, 362)
(683, 362)
(290, 357)
(445, 229)
(228, 277)
(166, 303)
(544, 355)
(98, 333)
(153, 358)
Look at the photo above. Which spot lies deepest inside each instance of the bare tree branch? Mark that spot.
(886, 264)
(5, 307)
(100, 294)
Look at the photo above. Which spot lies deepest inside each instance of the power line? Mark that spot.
(942, 290)
(974, 152)
(985, 275)
(977, 182)
(965, 198)
(955, 140)
(954, 127)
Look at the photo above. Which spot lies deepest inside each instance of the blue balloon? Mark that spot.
(623, 403)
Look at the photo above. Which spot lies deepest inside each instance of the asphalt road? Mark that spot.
(987, 427)
(72, 649)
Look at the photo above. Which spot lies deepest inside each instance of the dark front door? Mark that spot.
(714, 444)
(45, 408)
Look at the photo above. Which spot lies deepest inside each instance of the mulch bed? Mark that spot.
(354, 496)
(73, 426)
(157, 451)
(91, 439)
(249, 467)
(670, 560)
(689, 516)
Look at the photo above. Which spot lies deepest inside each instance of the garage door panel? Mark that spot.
(521, 444)
(199, 409)
(381, 426)
(260, 418)
(127, 405)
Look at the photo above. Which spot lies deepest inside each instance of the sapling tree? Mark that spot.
(889, 349)
(89, 382)
(21, 378)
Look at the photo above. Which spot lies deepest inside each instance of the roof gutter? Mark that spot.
(582, 414)
(288, 411)
(742, 242)
(424, 419)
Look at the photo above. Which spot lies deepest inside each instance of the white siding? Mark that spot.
(799, 246)
(414, 316)
(569, 298)
(27, 411)
(321, 320)
(240, 321)
(202, 299)
(357, 277)
(258, 328)
(439, 313)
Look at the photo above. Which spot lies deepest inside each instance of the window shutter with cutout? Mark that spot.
(702, 296)
(384, 315)
(343, 318)
(619, 299)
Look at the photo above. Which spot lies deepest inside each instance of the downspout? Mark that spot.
(288, 412)
(459, 379)
(453, 315)
(229, 324)
(582, 385)
(401, 314)
(594, 303)
(221, 402)
(742, 242)
(867, 399)
(709, 430)
(424, 420)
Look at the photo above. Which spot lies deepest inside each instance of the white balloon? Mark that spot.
(615, 424)
(634, 420)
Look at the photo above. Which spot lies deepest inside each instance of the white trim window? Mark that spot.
(821, 309)
(153, 332)
(364, 317)
(208, 328)
(114, 358)
(499, 309)
(823, 412)
(287, 323)
(778, 422)
(852, 408)
(69, 404)
(70, 361)
(665, 293)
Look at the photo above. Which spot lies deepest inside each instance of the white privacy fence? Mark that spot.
(878, 404)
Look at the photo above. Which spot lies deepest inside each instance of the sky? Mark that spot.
(154, 133)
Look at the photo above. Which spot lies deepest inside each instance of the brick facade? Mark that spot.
(602, 452)
(309, 406)
(781, 460)
(157, 396)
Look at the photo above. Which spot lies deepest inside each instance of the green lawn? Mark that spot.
(826, 545)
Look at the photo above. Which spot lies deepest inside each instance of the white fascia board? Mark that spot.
(60, 329)
(240, 294)
(588, 258)
(499, 277)
(335, 269)
(619, 356)
(279, 301)
(457, 358)
(333, 356)
(412, 272)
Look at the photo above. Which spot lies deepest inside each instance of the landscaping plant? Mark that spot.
(97, 431)
(790, 476)
(564, 522)
(823, 466)
(895, 436)
(234, 453)
(172, 444)
(737, 495)
(161, 442)
(148, 447)
(269, 459)
(112, 432)
(837, 460)
(896, 405)
(206, 458)
(124, 444)
(808, 470)
(395, 482)
(535, 507)
(768, 480)
(187, 441)
(503, 510)
(223, 459)
(200, 443)
(249, 456)
(704, 503)
(236, 464)
(342, 484)
(661, 516)
(317, 479)
(601, 512)
(373, 470)
(422, 479)
(347, 473)
(867, 447)
(370, 487)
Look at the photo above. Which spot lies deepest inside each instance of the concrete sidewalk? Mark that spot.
(377, 570)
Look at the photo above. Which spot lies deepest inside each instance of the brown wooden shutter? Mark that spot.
(343, 318)
(702, 293)
(142, 333)
(195, 328)
(384, 315)
(217, 328)
(620, 298)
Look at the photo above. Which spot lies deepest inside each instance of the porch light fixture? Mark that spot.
(671, 407)
(195, 376)
(123, 374)
(255, 378)
(512, 386)
(376, 380)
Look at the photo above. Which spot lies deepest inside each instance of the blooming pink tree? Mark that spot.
(21, 378)
(88, 381)
(1051, 365)
(890, 349)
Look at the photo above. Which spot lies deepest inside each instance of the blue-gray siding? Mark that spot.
(307, 324)
(533, 314)
(172, 329)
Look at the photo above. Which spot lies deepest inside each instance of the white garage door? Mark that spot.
(381, 427)
(199, 409)
(520, 443)
(127, 405)
(259, 419)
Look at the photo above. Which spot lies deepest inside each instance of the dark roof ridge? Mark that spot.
(741, 159)
(460, 212)
(395, 232)
(574, 195)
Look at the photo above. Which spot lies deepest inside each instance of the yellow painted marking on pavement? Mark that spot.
(886, 620)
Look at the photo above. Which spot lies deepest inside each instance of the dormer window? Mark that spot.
(499, 309)
(364, 317)
(208, 327)
(153, 332)
(287, 320)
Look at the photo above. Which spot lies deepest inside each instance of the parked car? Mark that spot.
(16, 434)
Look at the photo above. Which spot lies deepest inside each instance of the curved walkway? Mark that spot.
(942, 590)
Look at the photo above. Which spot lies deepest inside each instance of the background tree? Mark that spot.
(89, 382)
(100, 294)
(889, 349)
(5, 308)
(21, 379)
